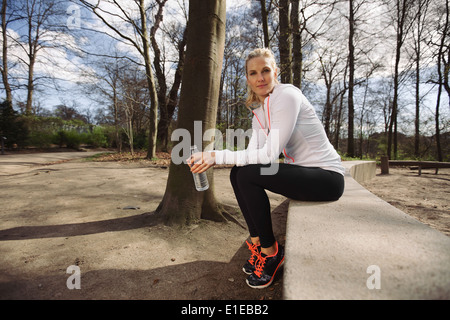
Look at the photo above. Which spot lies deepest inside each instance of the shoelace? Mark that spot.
(254, 250)
(260, 265)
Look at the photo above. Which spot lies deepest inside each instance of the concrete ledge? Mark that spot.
(339, 250)
(361, 170)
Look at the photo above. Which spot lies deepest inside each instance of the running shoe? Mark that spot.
(265, 269)
(249, 265)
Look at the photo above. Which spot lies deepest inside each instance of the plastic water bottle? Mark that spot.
(200, 179)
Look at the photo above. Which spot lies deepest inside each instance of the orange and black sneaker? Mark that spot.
(265, 269)
(249, 265)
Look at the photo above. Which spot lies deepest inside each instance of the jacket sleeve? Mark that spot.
(239, 158)
(283, 110)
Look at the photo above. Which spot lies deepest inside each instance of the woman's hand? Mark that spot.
(201, 161)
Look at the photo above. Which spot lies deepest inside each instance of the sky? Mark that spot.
(62, 60)
(68, 66)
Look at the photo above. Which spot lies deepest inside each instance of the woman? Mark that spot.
(283, 122)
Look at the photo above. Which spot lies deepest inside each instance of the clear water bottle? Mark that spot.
(200, 179)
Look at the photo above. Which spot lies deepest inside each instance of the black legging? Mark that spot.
(292, 181)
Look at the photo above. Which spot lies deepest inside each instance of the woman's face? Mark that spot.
(261, 76)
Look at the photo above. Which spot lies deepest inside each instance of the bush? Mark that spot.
(12, 126)
(73, 139)
(98, 137)
(42, 139)
(70, 138)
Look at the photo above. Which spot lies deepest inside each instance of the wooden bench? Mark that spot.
(413, 165)
(361, 247)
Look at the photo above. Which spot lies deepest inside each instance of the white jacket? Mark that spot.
(286, 123)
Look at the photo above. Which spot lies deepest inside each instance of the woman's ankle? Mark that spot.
(255, 241)
(270, 251)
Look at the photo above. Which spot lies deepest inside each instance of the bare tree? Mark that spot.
(309, 21)
(111, 91)
(139, 25)
(231, 111)
(445, 50)
(351, 80)
(167, 100)
(4, 67)
(285, 42)
(265, 23)
(297, 54)
(332, 66)
(442, 74)
(421, 17)
(159, 72)
(168, 110)
(37, 16)
(402, 24)
(133, 95)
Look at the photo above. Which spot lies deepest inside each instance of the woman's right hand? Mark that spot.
(201, 161)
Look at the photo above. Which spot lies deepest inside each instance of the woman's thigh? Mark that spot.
(295, 182)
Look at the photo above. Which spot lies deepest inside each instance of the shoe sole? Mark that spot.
(246, 272)
(271, 279)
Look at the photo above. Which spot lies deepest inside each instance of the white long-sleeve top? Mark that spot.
(286, 123)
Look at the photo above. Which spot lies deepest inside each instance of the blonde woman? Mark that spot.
(283, 122)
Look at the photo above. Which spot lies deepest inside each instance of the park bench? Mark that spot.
(414, 165)
(361, 247)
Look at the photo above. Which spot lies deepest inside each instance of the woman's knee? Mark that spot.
(247, 173)
(233, 174)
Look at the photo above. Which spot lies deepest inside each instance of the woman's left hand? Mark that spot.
(201, 161)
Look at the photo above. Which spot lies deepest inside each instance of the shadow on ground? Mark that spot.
(79, 229)
(193, 280)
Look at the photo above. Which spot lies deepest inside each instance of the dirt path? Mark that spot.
(425, 197)
(72, 213)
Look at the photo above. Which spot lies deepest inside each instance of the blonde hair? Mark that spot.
(260, 52)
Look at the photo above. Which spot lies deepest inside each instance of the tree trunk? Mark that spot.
(181, 203)
(328, 78)
(285, 43)
(417, 50)
(4, 69)
(441, 80)
(297, 54)
(30, 85)
(159, 73)
(337, 127)
(151, 153)
(172, 100)
(446, 62)
(351, 61)
(116, 119)
(402, 11)
(265, 23)
(436, 119)
(417, 116)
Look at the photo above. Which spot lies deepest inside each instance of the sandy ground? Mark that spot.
(425, 197)
(77, 213)
(71, 213)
